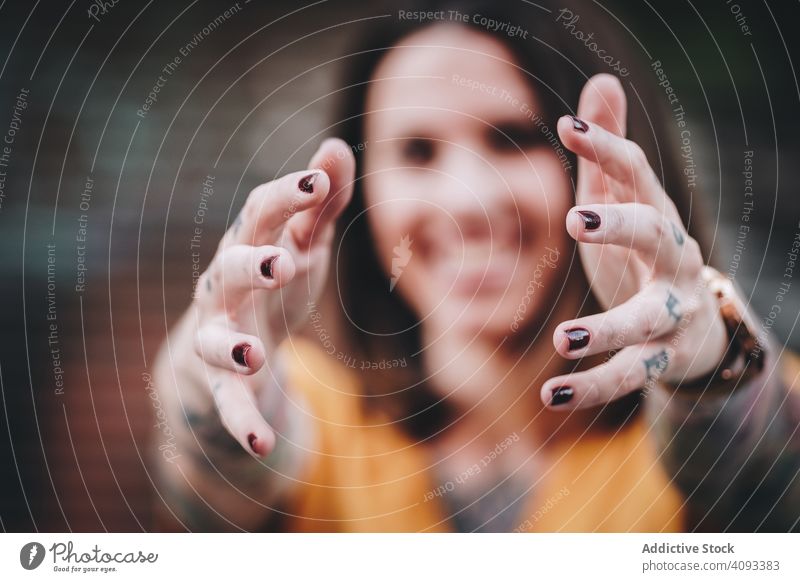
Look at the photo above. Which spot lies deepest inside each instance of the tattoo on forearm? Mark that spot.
(193, 512)
(720, 448)
(208, 425)
(676, 232)
(672, 306)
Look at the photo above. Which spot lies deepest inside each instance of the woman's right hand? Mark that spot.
(269, 265)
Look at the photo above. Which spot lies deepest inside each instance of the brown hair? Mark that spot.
(557, 66)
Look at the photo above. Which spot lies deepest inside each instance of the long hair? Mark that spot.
(557, 65)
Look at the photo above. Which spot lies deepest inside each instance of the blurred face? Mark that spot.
(466, 198)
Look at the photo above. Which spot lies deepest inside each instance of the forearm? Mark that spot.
(212, 483)
(736, 457)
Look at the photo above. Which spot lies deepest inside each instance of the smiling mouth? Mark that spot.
(477, 271)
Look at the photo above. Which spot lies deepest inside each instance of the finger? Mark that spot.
(603, 102)
(615, 156)
(238, 270)
(336, 158)
(220, 346)
(659, 238)
(269, 206)
(648, 315)
(635, 367)
(241, 417)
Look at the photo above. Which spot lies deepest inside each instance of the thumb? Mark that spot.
(603, 102)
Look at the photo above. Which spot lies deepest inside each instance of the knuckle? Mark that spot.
(636, 155)
(659, 233)
(627, 380)
(254, 198)
(200, 286)
(611, 375)
(220, 262)
(224, 241)
(609, 336)
(695, 249)
(197, 343)
(615, 218)
(655, 225)
(260, 200)
(648, 325)
(679, 358)
(234, 258)
(659, 220)
(692, 259)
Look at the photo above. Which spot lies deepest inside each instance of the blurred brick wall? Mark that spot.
(88, 471)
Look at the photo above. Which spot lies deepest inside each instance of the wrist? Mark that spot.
(743, 356)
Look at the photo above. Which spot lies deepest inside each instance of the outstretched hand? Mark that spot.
(642, 265)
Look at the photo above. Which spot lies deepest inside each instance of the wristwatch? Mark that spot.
(744, 357)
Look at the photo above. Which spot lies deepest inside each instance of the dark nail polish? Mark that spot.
(591, 220)
(251, 439)
(306, 184)
(579, 124)
(267, 267)
(561, 395)
(578, 338)
(239, 354)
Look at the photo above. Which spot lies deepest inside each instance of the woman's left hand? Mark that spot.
(641, 264)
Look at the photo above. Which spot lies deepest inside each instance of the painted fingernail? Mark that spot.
(239, 354)
(251, 440)
(578, 338)
(561, 395)
(579, 124)
(591, 220)
(306, 184)
(268, 267)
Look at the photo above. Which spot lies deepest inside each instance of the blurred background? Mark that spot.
(102, 189)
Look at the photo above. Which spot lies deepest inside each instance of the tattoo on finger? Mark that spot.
(655, 365)
(676, 232)
(672, 307)
(208, 427)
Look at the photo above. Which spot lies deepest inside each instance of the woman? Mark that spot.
(470, 367)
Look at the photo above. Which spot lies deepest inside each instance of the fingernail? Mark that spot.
(239, 354)
(578, 338)
(306, 184)
(561, 395)
(579, 124)
(591, 220)
(251, 439)
(267, 267)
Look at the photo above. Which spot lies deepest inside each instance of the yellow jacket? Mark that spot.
(367, 475)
